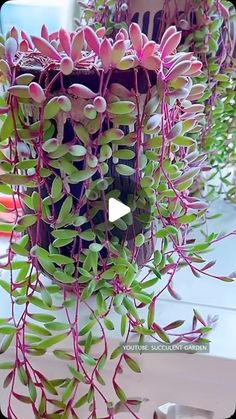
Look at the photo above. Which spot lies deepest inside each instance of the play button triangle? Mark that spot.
(116, 210)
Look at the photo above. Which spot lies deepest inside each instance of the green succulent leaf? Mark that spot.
(51, 341)
(82, 400)
(121, 107)
(124, 170)
(6, 365)
(63, 355)
(120, 393)
(133, 365)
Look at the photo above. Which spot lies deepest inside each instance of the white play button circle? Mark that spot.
(127, 207)
(117, 210)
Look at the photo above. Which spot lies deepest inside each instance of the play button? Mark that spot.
(117, 210)
(122, 210)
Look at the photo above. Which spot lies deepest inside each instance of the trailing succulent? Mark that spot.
(78, 111)
(209, 30)
(110, 14)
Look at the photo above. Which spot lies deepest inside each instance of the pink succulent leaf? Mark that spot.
(101, 32)
(24, 46)
(181, 56)
(179, 93)
(53, 36)
(106, 53)
(194, 97)
(206, 168)
(178, 70)
(175, 130)
(136, 37)
(144, 39)
(11, 49)
(44, 33)
(120, 91)
(174, 294)
(148, 49)
(118, 51)
(196, 92)
(171, 44)
(64, 38)
(189, 84)
(187, 55)
(81, 91)
(100, 104)
(198, 116)
(198, 205)
(36, 92)
(195, 68)
(77, 45)
(92, 40)
(46, 48)
(169, 31)
(169, 60)
(14, 33)
(190, 173)
(55, 44)
(124, 32)
(152, 63)
(197, 88)
(209, 265)
(64, 103)
(191, 199)
(66, 66)
(25, 37)
(154, 122)
(120, 36)
(194, 108)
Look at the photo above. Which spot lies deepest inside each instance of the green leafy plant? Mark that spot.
(81, 112)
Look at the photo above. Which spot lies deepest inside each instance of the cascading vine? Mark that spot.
(82, 117)
(209, 30)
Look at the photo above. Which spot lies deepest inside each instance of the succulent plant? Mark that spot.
(212, 38)
(79, 111)
(209, 30)
(108, 16)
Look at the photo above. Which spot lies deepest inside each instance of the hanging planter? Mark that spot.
(86, 119)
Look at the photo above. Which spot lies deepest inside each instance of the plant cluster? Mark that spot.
(64, 139)
(111, 14)
(210, 34)
(209, 31)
